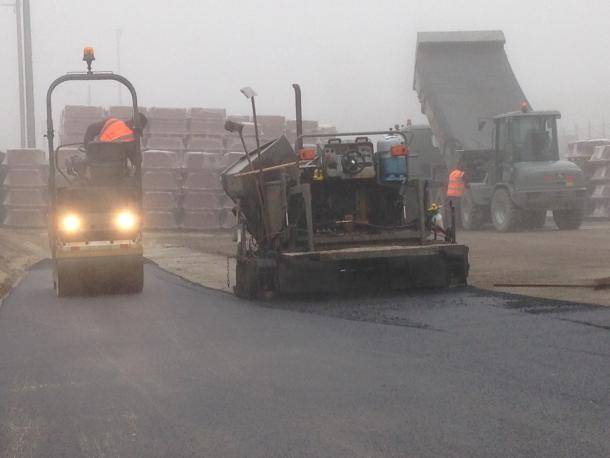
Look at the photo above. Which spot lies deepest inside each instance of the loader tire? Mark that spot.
(568, 219)
(505, 215)
(471, 214)
(246, 284)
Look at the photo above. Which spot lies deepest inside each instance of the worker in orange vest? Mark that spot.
(455, 189)
(456, 186)
(114, 130)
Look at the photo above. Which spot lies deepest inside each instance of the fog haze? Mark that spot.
(354, 59)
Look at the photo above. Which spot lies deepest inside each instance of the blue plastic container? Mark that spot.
(392, 168)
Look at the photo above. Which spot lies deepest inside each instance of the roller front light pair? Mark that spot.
(124, 221)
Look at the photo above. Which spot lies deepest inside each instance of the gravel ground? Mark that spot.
(547, 255)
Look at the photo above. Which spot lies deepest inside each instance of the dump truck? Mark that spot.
(484, 125)
(335, 213)
(95, 205)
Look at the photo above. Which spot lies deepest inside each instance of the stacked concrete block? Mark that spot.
(207, 121)
(167, 129)
(208, 144)
(167, 121)
(202, 180)
(309, 127)
(161, 182)
(327, 129)
(232, 157)
(124, 112)
(233, 143)
(201, 200)
(209, 161)
(239, 118)
(161, 201)
(271, 127)
(25, 188)
(70, 140)
(160, 159)
(165, 142)
(74, 122)
(601, 180)
(228, 220)
(201, 205)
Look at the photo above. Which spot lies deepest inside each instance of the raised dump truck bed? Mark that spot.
(486, 129)
(461, 77)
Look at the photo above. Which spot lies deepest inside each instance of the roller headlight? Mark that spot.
(70, 223)
(126, 221)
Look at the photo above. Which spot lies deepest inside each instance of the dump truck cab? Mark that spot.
(95, 223)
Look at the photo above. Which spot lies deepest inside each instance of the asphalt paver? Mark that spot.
(181, 370)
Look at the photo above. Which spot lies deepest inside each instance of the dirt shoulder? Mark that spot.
(19, 249)
(203, 258)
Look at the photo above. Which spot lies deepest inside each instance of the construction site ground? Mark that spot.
(547, 256)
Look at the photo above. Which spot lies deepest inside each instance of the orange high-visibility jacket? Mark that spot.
(116, 131)
(455, 188)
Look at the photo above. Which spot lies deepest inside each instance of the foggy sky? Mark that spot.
(353, 59)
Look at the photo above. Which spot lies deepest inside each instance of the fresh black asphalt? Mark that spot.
(181, 370)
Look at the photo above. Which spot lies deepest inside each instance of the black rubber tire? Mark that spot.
(245, 280)
(134, 280)
(505, 215)
(534, 219)
(569, 219)
(471, 214)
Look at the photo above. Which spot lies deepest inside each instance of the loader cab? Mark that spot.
(525, 136)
